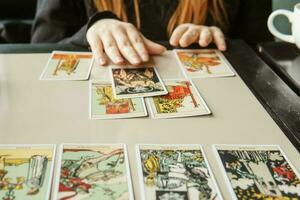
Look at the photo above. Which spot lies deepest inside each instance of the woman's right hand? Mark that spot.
(120, 40)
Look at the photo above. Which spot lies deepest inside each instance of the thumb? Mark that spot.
(153, 48)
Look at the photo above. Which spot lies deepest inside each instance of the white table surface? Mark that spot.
(34, 111)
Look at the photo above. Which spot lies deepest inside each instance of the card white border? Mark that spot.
(59, 160)
(139, 94)
(41, 78)
(53, 146)
(223, 171)
(182, 115)
(127, 116)
(140, 170)
(219, 53)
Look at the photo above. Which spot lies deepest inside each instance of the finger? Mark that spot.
(111, 48)
(125, 46)
(153, 48)
(189, 37)
(138, 44)
(218, 38)
(205, 37)
(97, 49)
(177, 34)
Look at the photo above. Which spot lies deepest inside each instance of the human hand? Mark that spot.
(119, 41)
(187, 34)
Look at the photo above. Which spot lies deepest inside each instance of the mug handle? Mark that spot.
(273, 29)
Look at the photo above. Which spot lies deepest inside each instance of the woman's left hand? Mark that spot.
(187, 34)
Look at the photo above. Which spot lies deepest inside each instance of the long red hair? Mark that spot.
(187, 11)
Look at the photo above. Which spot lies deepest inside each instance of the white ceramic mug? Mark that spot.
(294, 18)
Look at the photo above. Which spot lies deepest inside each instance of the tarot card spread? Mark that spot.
(178, 172)
(183, 100)
(26, 171)
(93, 172)
(258, 172)
(68, 66)
(136, 82)
(203, 63)
(103, 105)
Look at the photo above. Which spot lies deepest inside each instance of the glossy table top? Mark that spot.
(33, 111)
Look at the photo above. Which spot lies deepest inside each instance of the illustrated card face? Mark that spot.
(26, 171)
(136, 82)
(93, 171)
(203, 63)
(64, 65)
(103, 105)
(178, 172)
(182, 100)
(258, 172)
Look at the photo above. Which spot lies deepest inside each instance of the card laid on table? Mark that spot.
(65, 65)
(131, 82)
(175, 172)
(93, 171)
(258, 172)
(103, 105)
(26, 171)
(182, 100)
(202, 63)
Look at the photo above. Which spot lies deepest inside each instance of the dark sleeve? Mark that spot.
(59, 21)
(64, 21)
(250, 22)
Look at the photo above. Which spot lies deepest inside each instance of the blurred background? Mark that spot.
(16, 18)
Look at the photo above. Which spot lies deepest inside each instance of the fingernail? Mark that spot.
(222, 47)
(145, 57)
(119, 59)
(136, 60)
(101, 61)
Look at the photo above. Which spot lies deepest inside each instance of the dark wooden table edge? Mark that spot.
(255, 79)
(245, 71)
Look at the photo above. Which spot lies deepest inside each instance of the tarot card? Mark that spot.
(26, 171)
(103, 105)
(131, 82)
(258, 172)
(64, 65)
(93, 171)
(182, 100)
(203, 63)
(178, 172)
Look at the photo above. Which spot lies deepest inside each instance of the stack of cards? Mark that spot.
(165, 172)
(123, 96)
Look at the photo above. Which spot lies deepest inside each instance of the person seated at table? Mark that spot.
(125, 29)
